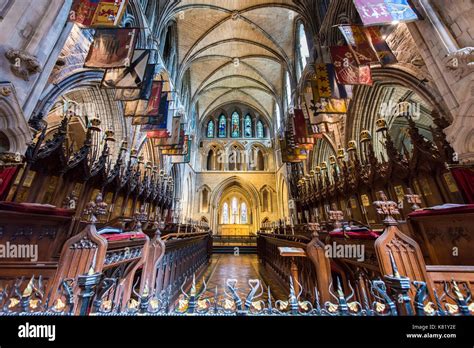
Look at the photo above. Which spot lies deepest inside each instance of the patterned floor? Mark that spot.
(241, 268)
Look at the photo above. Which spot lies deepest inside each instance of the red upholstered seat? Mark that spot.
(458, 209)
(124, 236)
(355, 235)
(33, 208)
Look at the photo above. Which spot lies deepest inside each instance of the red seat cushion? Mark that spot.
(124, 236)
(33, 208)
(355, 235)
(459, 209)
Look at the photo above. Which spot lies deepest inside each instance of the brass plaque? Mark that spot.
(450, 182)
(425, 185)
(353, 203)
(365, 200)
(399, 192)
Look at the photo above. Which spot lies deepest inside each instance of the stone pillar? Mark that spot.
(444, 39)
(34, 31)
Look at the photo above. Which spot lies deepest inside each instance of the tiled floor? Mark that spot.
(241, 268)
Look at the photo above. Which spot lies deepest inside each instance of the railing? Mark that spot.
(233, 302)
(235, 239)
(185, 255)
(303, 269)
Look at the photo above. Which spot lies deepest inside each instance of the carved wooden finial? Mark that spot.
(95, 208)
(315, 228)
(386, 208)
(413, 199)
(336, 216)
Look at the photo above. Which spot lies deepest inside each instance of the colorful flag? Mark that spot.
(97, 13)
(83, 11)
(144, 93)
(112, 48)
(384, 52)
(359, 44)
(326, 84)
(183, 158)
(347, 70)
(300, 126)
(324, 94)
(378, 12)
(145, 108)
(131, 77)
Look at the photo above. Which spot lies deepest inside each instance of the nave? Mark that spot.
(321, 152)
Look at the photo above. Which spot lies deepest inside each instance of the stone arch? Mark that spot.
(204, 193)
(247, 189)
(361, 116)
(267, 199)
(12, 122)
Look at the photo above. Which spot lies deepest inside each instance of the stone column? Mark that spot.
(444, 40)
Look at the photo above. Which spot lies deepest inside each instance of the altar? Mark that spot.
(234, 230)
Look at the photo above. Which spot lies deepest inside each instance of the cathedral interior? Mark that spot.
(236, 157)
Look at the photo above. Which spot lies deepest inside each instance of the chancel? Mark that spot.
(236, 158)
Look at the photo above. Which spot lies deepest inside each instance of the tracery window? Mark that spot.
(225, 213)
(222, 127)
(248, 127)
(303, 49)
(234, 218)
(243, 213)
(235, 125)
(210, 129)
(260, 131)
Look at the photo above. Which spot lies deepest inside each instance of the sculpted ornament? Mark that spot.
(23, 64)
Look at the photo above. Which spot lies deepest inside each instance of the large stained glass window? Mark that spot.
(210, 129)
(225, 214)
(243, 214)
(222, 127)
(235, 125)
(260, 130)
(248, 126)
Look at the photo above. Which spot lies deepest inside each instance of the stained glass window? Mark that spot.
(210, 129)
(222, 127)
(235, 125)
(225, 214)
(260, 132)
(248, 126)
(235, 211)
(243, 214)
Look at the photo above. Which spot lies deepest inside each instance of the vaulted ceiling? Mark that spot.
(236, 51)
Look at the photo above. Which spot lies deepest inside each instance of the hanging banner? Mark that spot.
(112, 48)
(131, 77)
(97, 13)
(302, 135)
(367, 45)
(378, 12)
(183, 158)
(347, 70)
(159, 114)
(381, 47)
(358, 42)
(164, 137)
(144, 93)
(326, 83)
(145, 108)
(179, 150)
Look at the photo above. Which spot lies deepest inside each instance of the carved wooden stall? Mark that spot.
(390, 255)
(73, 178)
(349, 183)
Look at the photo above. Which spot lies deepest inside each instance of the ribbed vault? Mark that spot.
(236, 51)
